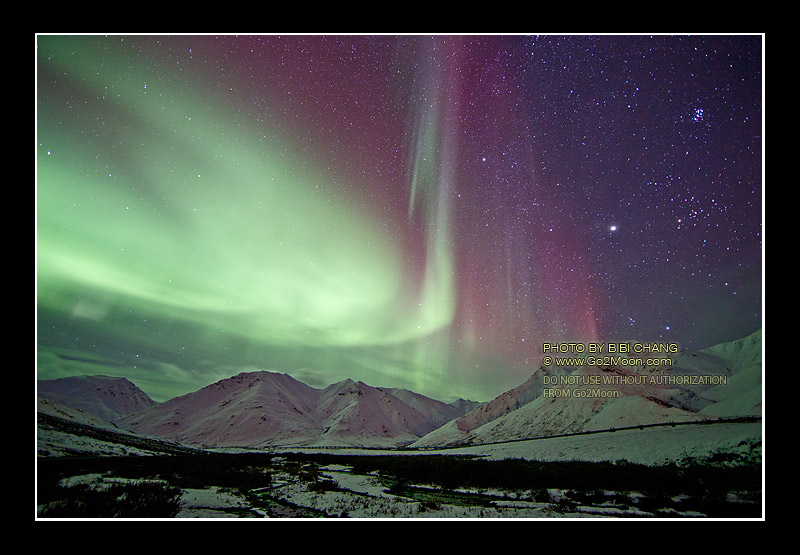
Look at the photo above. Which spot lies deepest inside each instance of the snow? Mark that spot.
(268, 409)
(259, 409)
(367, 499)
(525, 412)
(59, 410)
(364, 496)
(264, 411)
(104, 397)
(211, 502)
(651, 446)
(367, 485)
(52, 443)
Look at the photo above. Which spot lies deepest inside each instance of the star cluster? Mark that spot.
(411, 211)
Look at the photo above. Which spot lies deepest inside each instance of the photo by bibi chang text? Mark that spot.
(609, 350)
(623, 348)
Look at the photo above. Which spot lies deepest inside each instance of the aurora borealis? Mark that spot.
(410, 211)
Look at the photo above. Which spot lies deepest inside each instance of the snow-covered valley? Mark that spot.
(348, 483)
(265, 445)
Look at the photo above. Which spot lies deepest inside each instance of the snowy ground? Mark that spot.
(365, 497)
(53, 443)
(303, 488)
(656, 445)
(214, 502)
(646, 446)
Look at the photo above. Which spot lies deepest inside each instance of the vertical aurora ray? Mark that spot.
(433, 151)
(522, 281)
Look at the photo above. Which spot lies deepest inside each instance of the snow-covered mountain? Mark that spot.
(104, 397)
(259, 409)
(58, 410)
(244, 410)
(742, 394)
(256, 409)
(722, 381)
(465, 405)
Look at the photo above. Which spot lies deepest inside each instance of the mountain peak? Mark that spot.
(105, 397)
(253, 409)
(584, 400)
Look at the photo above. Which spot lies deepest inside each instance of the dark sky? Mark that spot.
(415, 211)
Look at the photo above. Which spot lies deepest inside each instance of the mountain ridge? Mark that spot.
(259, 409)
(629, 399)
(265, 409)
(104, 397)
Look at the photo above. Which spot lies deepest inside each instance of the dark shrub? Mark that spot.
(129, 500)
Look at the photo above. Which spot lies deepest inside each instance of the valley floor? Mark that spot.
(388, 487)
(681, 471)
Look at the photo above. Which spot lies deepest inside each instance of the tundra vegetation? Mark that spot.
(336, 485)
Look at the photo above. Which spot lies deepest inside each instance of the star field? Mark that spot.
(410, 211)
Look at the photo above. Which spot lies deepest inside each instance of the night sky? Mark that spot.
(416, 211)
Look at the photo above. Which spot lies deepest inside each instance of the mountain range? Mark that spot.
(257, 409)
(261, 409)
(723, 381)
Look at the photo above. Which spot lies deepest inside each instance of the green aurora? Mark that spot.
(174, 238)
